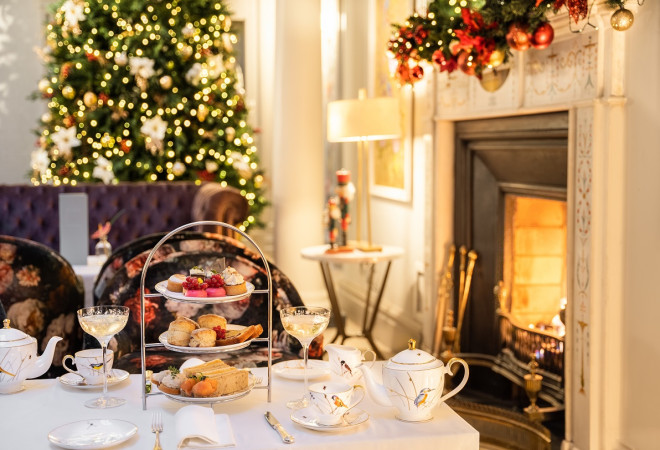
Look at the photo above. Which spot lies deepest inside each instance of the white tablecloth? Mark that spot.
(28, 416)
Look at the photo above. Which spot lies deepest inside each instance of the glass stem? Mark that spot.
(305, 356)
(104, 346)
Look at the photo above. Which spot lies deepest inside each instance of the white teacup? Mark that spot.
(90, 364)
(344, 361)
(330, 401)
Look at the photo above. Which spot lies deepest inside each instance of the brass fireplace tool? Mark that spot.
(445, 288)
(533, 383)
(464, 291)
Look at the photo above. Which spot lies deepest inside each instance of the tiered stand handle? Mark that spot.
(144, 345)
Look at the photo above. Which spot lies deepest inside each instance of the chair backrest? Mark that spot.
(178, 256)
(41, 294)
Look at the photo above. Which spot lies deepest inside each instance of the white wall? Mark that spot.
(20, 71)
(641, 335)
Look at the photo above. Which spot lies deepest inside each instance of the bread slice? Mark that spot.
(231, 338)
(206, 367)
(230, 381)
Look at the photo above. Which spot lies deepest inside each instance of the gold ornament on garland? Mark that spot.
(90, 99)
(622, 19)
(166, 81)
(44, 84)
(68, 92)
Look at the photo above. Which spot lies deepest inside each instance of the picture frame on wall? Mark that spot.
(391, 160)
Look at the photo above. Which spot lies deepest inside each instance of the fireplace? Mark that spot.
(510, 207)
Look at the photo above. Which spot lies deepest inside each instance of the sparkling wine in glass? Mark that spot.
(304, 323)
(103, 322)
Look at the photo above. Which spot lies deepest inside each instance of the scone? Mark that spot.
(211, 321)
(179, 331)
(202, 337)
(174, 283)
(234, 281)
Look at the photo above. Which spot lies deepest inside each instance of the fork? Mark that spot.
(157, 427)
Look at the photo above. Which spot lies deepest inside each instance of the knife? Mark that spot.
(286, 437)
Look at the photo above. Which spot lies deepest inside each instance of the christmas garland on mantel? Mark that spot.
(478, 35)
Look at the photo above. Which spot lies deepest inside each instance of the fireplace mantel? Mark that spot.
(581, 73)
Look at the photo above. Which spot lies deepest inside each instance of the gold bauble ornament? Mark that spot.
(90, 99)
(166, 81)
(496, 58)
(68, 92)
(202, 112)
(230, 133)
(187, 51)
(44, 84)
(622, 19)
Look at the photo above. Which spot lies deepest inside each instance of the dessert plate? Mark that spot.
(92, 433)
(178, 296)
(218, 348)
(307, 419)
(252, 381)
(74, 381)
(294, 369)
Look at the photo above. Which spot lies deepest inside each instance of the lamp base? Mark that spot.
(367, 247)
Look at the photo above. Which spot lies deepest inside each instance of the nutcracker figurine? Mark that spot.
(338, 212)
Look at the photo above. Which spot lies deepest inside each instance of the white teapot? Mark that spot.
(413, 382)
(18, 358)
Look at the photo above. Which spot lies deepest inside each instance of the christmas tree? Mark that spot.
(145, 90)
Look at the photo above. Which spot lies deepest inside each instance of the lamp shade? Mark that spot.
(363, 119)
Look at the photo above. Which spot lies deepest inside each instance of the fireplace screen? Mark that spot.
(534, 262)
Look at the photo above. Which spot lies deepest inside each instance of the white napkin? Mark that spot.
(198, 427)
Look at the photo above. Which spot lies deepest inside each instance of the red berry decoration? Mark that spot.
(517, 37)
(215, 281)
(543, 36)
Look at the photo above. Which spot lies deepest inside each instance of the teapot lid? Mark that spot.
(413, 357)
(12, 337)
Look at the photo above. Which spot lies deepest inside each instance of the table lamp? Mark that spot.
(361, 120)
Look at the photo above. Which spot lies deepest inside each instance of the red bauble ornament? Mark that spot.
(543, 36)
(518, 37)
(467, 63)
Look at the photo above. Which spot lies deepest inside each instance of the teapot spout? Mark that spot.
(376, 391)
(42, 363)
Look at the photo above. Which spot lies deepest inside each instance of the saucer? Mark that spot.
(307, 419)
(92, 434)
(294, 369)
(73, 380)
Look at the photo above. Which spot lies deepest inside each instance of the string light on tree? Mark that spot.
(136, 88)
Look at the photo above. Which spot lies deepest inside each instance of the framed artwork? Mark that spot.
(391, 160)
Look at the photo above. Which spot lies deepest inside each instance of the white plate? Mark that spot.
(73, 380)
(223, 398)
(92, 434)
(220, 348)
(307, 419)
(178, 296)
(294, 369)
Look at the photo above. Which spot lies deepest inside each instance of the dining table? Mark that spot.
(46, 404)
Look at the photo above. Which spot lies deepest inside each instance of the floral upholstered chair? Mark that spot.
(41, 293)
(178, 256)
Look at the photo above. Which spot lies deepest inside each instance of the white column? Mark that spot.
(297, 166)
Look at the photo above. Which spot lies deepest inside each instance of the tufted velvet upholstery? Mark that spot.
(31, 212)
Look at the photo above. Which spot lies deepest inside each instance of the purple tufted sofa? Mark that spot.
(31, 212)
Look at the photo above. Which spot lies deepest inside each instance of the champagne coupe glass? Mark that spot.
(103, 322)
(304, 323)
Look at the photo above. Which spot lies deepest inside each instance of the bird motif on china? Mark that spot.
(97, 366)
(338, 402)
(8, 373)
(345, 368)
(422, 396)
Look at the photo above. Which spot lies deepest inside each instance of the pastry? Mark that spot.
(211, 321)
(197, 272)
(234, 282)
(171, 382)
(202, 337)
(194, 287)
(179, 331)
(174, 283)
